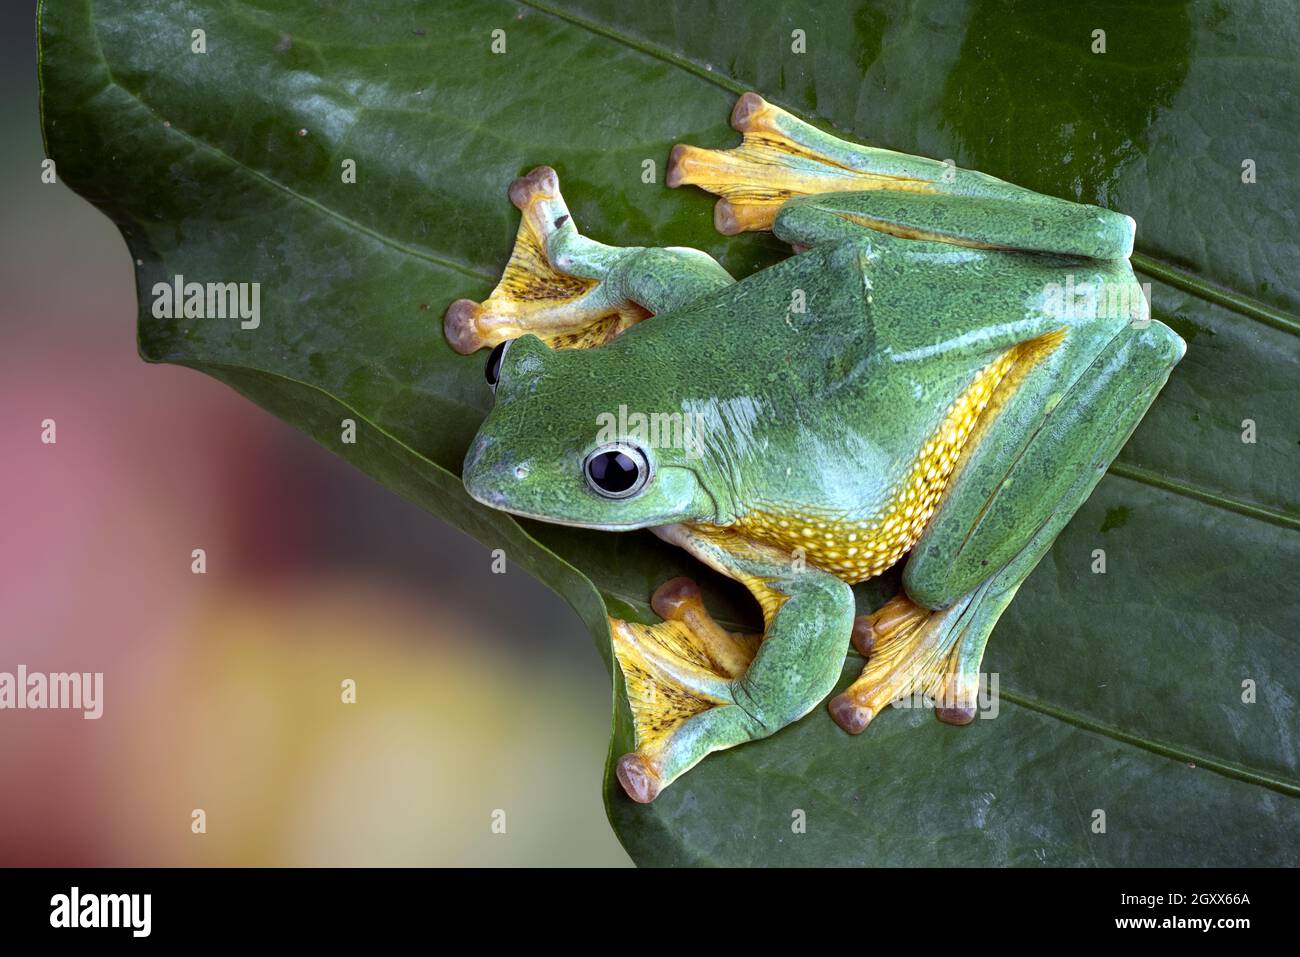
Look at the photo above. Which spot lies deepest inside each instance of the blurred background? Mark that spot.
(222, 690)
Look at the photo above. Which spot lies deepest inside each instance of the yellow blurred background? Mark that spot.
(479, 698)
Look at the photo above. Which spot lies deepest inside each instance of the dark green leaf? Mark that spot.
(1120, 692)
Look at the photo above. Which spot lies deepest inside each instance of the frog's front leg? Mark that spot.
(695, 688)
(571, 291)
(1025, 472)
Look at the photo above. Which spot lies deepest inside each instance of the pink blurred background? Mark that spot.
(477, 693)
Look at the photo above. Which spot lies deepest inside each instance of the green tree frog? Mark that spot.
(940, 375)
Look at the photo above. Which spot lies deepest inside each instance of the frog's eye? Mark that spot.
(492, 371)
(617, 471)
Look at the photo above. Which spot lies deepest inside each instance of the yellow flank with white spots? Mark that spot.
(855, 549)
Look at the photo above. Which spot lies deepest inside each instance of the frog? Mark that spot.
(936, 378)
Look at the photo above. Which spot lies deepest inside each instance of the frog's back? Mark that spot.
(835, 391)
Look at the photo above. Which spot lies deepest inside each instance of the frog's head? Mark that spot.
(555, 448)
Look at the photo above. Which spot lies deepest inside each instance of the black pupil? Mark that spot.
(493, 369)
(613, 471)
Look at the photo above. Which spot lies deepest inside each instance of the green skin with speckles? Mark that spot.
(816, 383)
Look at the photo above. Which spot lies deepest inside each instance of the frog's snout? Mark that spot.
(477, 473)
(488, 476)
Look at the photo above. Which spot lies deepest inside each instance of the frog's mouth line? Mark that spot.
(549, 520)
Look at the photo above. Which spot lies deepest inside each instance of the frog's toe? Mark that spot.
(679, 600)
(674, 598)
(716, 172)
(752, 189)
(639, 779)
(895, 615)
(751, 113)
(540, 183)
(731, 220)
(461, 326)
(956, 715)
(956, 699)
(849, 714)
(864, 635)
(685, 164)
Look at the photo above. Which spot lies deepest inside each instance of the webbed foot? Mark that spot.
(536, 295)
(780, 157)
(906, 654)
(675, 671)
(671, 679)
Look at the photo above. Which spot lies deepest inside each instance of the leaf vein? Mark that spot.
(443, 261)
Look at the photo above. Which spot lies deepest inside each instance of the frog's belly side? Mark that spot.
(855, 548)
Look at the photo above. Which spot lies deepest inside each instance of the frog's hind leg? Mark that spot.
(1041, 451)
(695, 688)
(570, 291)
(780, 157)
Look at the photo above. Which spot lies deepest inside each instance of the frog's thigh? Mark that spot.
(1035, 463)
(1037, 454)
(1034, 223)
(571, 291)
(689, 698)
